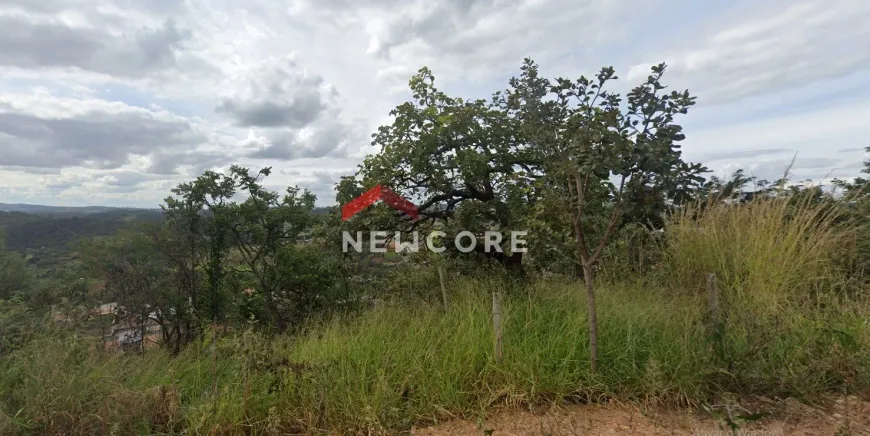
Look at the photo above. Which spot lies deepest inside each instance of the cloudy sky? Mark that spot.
(115, 102)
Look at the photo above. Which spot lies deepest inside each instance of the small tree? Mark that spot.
(211, 223)
(262, 225)
(199, 213)
(601, 159)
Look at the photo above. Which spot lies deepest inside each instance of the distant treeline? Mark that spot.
(26, 231)
(57, 228)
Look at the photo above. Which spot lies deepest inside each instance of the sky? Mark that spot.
(116, 102)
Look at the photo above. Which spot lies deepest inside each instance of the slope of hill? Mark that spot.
(56, 228)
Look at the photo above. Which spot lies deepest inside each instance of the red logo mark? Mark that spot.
(379, 193)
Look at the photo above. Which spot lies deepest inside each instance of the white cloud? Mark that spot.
(772, 49)
(40, 130)
(834, 136)
(114, 102)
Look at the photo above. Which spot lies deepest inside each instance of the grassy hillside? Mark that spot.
(400, 365)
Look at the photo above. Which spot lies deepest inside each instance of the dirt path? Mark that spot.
(840, 416)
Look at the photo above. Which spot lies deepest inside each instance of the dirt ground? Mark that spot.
(842, 416)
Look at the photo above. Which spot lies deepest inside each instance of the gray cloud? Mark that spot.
(288, 144)
(817, 163)
(437, 27)
(277, 93)
(324, 183)
(30, 170)
(784, 44)
(167, 162)
(103, 136)
(103, 182)
(295, 111)
(299, 112)
(480, 39)
(127, 178)
(813, 168)
(330, 177)
(850, 150)
(158, 7)
(742, 154)
(32, 44)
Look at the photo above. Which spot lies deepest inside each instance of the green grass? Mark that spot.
(395, 366)
(787, 331)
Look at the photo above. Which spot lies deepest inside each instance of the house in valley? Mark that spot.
(129, 331)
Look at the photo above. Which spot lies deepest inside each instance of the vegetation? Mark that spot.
(13, 274)
(267, 327)
(57, 232)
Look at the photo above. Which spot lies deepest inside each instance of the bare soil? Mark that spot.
(842, 416)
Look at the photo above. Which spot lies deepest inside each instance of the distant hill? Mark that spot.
(56, 227)
(324, 210)
(31, 227)
(60, 210)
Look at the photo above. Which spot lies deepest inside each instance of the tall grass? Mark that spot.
(777, 270)
(404, 363)
(765, 254)
(408, 366)
(384, 370)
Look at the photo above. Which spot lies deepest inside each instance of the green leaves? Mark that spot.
(497, 159)
(444, 152)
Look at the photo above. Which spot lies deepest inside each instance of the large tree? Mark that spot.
(565, 158)
(460, 160)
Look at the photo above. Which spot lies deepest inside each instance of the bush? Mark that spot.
(13, 272)
(18, 325)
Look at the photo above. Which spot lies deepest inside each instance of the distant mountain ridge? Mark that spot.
(28, 227)
(37, 209)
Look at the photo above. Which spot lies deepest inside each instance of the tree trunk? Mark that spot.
(593, 317)
(272, 308)
(177, 333)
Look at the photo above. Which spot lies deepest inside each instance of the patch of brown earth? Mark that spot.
(844, 416)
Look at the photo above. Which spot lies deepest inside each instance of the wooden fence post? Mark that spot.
(443, 287)
(496, 323)
(717, 328)
(214, 338)
(713, 300)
